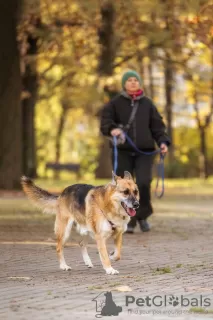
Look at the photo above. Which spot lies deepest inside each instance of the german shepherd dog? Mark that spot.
(100, 212)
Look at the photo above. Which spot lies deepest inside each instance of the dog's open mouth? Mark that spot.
(130, 211)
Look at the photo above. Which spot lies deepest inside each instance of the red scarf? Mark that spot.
(135, 94)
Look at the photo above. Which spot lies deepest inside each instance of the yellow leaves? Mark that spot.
(201, 45)
(143, 42)
(162, 24)
(185, 149)
(146, 60)
(43, 65)
(109, 81)
(144, 17)
(184, 159)
(60, 8)
(92, 79)
(74, 6)
(192, 18)
(118, 60)
(118, 70)
(195, 77)
(57, 72)
(88, 62)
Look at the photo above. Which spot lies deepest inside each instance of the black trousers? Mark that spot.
(140, 166)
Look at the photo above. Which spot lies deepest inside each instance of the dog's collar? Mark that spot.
(110, 222)
(112, 225)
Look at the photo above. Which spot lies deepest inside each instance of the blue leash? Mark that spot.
(160, 164)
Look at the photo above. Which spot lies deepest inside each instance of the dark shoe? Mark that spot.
(130, 229)
(145, 227)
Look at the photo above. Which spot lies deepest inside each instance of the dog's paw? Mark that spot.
(65, 267)
(111, 271)
(89, 264)
(114, 256)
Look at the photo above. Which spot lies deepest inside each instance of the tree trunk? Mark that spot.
(11, 163)
(30, 86)
(106, 38)
(59, 136)
(104, 169)
(204, 172)
(29, 143)
(107, 42)
(151, 74)
(143, 70)
(203, 161)
(168, 72)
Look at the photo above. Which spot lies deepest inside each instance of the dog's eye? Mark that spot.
(135, 192)
(126, 192)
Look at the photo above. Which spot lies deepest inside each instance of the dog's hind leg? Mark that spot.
(86, 258)
(62, 230)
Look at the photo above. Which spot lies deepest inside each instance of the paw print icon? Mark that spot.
(173, 301)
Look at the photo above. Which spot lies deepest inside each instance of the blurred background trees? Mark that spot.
(62, 60)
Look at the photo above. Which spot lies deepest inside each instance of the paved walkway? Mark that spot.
(175, 258)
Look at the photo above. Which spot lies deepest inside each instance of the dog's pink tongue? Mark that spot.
(132, 212)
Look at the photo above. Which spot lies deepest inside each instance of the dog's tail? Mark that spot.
(42, 198)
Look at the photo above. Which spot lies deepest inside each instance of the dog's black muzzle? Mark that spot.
(136, 205)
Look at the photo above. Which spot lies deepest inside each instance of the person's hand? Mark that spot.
(116, 132)
(164, 149)
(119, 134)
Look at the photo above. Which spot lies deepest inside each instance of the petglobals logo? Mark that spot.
(167, 301)
(106, 306)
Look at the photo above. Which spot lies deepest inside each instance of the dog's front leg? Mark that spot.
(101, 243)
(116, 254)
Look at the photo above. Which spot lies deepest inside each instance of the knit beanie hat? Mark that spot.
(129, 74)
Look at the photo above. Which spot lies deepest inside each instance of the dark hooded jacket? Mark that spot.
(146, 128)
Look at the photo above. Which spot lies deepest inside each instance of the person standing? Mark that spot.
(131, 111)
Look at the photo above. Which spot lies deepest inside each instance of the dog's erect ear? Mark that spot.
(114, 178)
(127, 175)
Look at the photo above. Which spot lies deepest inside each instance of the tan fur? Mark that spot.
(41, 198)
(102, 204)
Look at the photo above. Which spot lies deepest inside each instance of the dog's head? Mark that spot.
(126, 192)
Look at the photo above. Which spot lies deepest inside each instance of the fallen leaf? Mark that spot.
(198, 289)
(19, 278)
(123, 288)
(49, 240)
